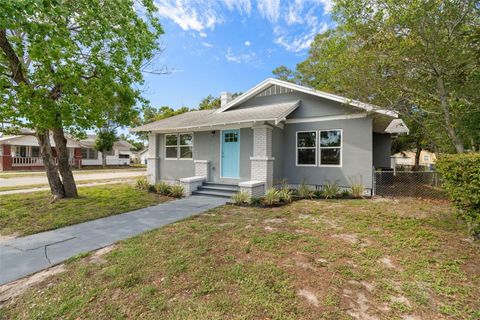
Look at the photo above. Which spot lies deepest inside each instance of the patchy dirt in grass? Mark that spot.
(97, 257)
(335, 259)
(13, 289)
(309, 296)
(359, 306)
(9, 237)
(388, 263)
(350, 238)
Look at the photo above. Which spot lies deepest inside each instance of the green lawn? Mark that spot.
(29, 213)
(350, 259)
(78, 182)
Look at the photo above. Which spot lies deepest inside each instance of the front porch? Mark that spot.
(21, 157)
(237, 159)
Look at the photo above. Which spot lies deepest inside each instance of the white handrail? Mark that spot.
(34, 161)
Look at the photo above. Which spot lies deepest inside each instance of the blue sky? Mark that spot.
(230, 45)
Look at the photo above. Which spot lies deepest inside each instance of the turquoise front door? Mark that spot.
(230, 153)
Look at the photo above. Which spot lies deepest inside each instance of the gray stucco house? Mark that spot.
(273, 132)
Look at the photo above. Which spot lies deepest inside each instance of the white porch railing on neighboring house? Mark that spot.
(34, 161)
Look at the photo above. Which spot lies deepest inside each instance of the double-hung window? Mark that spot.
(322, 148)
(179, 146)
(331, 147)
(307, 148)
(89, 153)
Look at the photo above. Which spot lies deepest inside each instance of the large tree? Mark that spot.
(62, 62)
(410, 56)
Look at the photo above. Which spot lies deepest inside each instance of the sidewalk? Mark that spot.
(23, 256)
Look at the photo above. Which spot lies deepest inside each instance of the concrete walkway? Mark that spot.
(23, 256)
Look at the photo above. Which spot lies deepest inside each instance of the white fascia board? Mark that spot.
(271, 81)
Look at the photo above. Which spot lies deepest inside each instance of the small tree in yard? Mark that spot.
(104, 143)
(62, 62)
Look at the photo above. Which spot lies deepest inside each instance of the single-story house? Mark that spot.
(407, 159)
(21, 152)
(142, 156)
(275, 132)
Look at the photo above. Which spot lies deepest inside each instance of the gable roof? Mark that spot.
(209, 118)
(120, 144)
(89, 142)
(333, 97)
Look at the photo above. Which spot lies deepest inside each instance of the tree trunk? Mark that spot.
(63, 163)
(452, 133)
(104, 158)
(418, 151)
(54, 181)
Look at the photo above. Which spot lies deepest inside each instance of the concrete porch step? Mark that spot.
(231, 188)
(214, 193)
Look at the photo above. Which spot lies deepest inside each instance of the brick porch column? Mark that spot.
(77, 156)
(153, 159)
(6, 158)
(262, 160)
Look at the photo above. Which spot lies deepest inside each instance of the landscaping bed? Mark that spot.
(28, 213)
(330, 259)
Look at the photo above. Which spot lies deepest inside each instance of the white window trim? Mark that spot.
(320, 149)
(178, 145)
(185, 145)
(315, 148)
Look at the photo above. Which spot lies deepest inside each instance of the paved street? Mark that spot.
(79, 176)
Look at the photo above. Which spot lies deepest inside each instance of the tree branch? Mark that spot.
(15, 65)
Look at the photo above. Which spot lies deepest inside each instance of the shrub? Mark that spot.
(176, 190)
(357, 190)
(285, 195)
(163, 188)
(241, 197)
(331, 190)
(271, 196)
(304, 191)
(461, 180)
(255, 201)
(142, 184)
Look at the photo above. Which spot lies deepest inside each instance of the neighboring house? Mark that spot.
(142, 156)
(21, 152)
(407, 159)
(274, 132)
(120, 154)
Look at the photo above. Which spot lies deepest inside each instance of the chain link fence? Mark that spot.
(424, 184)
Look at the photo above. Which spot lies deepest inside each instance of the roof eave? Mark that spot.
(271, 81)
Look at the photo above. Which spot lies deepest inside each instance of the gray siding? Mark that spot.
(310, 106)
(357, 154)
(382, 146)
(206, 146)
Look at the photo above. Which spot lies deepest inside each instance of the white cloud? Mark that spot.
(206, 44)
(269, 9)
(188, 16)
(243, 6)
(300, 42)
(294, 23)
(327, 5)
(240, 58)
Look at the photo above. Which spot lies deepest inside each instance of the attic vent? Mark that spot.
(273, 90)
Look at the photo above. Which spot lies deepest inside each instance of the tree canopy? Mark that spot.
(415, 57)
(64, 63)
